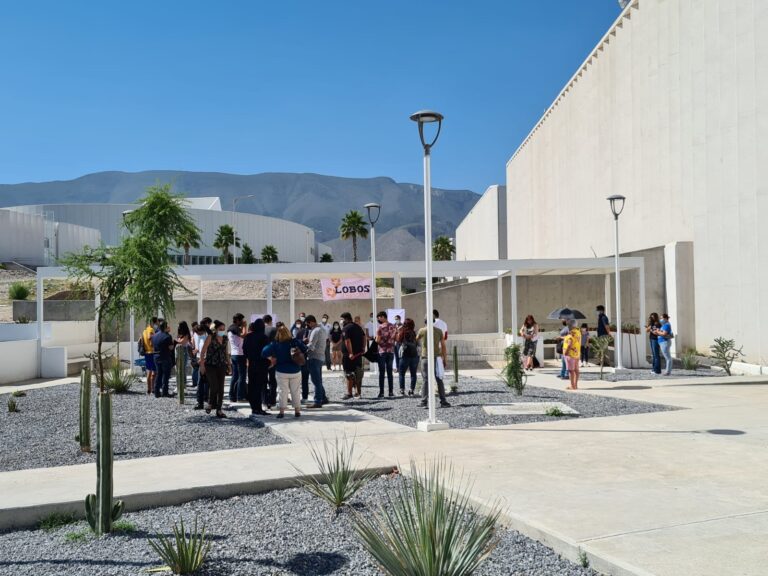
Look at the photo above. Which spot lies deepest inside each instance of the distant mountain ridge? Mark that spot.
(314, 200)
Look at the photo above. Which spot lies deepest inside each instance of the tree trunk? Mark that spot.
(354, 248)
(186, 254)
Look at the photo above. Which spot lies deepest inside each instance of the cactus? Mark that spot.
(455, 385)
(181, 375)
(84, 437)
(100, 511)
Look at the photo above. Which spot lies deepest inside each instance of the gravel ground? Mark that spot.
(282, 532)
(43, 433)
(466, 409)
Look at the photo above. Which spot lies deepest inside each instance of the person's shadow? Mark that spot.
(313, 564)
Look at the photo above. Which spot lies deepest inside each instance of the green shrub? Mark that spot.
(18, 393)
(689, 359)
(725, 353)
(513, 373)
(554, 411)
(183, 554)
(12, 406)
(118, 380)
(338, 481)
(599, 348)
(18, 291)
(583, 559)
(123, 526)
(22, 319)
(56, 520)
(423, 529)
(76, 537)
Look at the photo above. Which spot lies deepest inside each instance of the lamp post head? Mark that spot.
(617, 204)
(374, 210)
(427, 117)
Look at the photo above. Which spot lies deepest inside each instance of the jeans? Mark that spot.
(655, 356)
(585, 354)
(385, 364)
(425, 386)
(664, 346)
(163, 376)
(397, 356)
(563, 369)
(257, 385)
(202, 388)
(238, 387)
(195, 375)
(305, 381)
(215, 376)
(316, 373)
(406, 364)
(328, 353)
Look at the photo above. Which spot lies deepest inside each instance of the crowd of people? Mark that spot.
(573, 344)
(272, 365)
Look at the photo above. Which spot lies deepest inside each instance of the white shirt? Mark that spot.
(443, 327)
(370, 327)
(198, 340)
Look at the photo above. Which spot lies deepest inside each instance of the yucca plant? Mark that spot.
(182, 554)
(689, 359)
(599, 347)
(425, 530)
(118, 380)
(338, 481)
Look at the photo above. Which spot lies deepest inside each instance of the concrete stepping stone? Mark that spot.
(528, 408)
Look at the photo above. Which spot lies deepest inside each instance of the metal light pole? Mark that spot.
(235, 200)
(617, 206)
(371, 208)
(427, 117)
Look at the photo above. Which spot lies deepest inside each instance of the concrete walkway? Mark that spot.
(669, 493)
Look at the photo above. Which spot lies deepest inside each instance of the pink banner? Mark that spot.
(346, 288)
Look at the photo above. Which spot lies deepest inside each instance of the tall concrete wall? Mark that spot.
(670, 110)
(482, 235)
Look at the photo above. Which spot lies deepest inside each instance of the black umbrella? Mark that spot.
(565, 314)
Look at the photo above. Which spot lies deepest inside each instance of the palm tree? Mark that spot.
(326, 257)
(443, 248)
(225, 237)
(188, 237)
(247, 256)
(352, 226)
(269, 254)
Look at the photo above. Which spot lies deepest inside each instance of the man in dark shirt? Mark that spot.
(271, 394)
(355, 340)
(162, 346)
(603, 323)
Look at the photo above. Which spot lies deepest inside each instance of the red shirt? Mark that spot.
(385, 336)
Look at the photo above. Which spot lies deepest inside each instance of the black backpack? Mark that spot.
(140, 346)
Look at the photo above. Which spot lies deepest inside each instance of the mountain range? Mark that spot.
(314, 200)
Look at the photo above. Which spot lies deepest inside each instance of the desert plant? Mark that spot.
(513, 373)
(689, 359)
(226, 237)
(18, 291)
(269, 254)
(56, 520)
(443, 248)
(338, 481)
(455, 385)
(183, 554)
(599, 347)
(84, 436)
(725, 353)
(18, 393)
(247, 256)
(118, 380)
(123, 526)
(76, 537)
(326, 257)
(554, 411)
(353, 227)
(583, 559)
(423, 529)
(12, 405)
(99, 509)
(22, 320)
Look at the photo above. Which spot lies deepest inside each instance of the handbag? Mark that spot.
(372, 354)
(297, 356)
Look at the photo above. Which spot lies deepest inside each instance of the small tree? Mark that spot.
(225, 237)
(247, 256)
(352, 227)
(513, 372)
(599, 347)
(443, 248)
(725, 353)
(326, 257)
(269, 254)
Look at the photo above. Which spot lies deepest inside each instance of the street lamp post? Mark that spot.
(428, 117)
(235, 200)
(617, 206)
(374, 211)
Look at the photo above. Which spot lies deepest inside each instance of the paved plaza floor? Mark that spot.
(670, 493)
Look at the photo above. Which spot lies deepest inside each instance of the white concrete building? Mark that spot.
(670, 109)
(294, 242)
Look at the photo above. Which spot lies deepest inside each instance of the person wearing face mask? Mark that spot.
(336, 337)
(385, 338)
(327, 327)
(398, 326)
(238, 388)
(202, 332)
(149, 356)
(354, 346)
(214, 364)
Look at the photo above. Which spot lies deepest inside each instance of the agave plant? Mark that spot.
(118, 380)
(182, 554)
(426, 530)
(338, 481)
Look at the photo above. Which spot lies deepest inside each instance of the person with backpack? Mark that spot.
(409, 354)
(145, 349)
(664, 335)
(287, 355)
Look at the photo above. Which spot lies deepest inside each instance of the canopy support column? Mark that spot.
(398, 291)
(269, 294)
(607, 297)
(200, 301)
(499, 305)
(131, 341)
(642, 340)
(292, 296)
(513, 301)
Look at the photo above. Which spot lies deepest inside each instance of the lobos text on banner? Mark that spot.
(346, 288)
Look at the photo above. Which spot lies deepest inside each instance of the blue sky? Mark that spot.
(282, 86)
